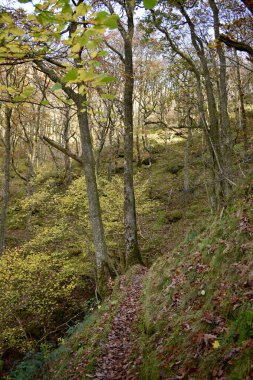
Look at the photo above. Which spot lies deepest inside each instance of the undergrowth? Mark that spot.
(197, 301)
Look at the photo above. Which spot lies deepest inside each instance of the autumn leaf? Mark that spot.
(216, 344)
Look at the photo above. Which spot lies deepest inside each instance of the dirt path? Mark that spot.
(121, 357)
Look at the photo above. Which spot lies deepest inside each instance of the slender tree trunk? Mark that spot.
(187, 155)
(242, 112)
(138, 149)
(29, 190)
(222, 180)
(111, 155)
(103, 264)
(6, 178)
(213, 195)
(102, 258)
(226, 138)
(131, 240)
(67, 161)
(211, 131)
(127, 31)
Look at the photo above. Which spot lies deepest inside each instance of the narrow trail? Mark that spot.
(120, 356)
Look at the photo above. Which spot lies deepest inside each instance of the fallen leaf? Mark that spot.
(216, 344)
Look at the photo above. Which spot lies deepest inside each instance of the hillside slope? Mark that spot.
(195, 318)
(198, 316)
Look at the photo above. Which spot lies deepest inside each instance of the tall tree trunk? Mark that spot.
(226, 138)
(131, 241)
(6, 178)
(127, 31)
(67, 161)
(111, 155)
(102, 258)
(242, 112)
(103, 265)
(29, 188)
(212, 194)
(187, 154)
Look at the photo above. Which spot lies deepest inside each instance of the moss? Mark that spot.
(174, 168)
(174, 216)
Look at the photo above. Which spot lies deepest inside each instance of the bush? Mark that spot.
(34, 290)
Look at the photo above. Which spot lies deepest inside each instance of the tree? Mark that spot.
(127, 32)
(6, 174)
(49, 23)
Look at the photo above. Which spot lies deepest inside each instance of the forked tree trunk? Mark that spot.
(6, 177)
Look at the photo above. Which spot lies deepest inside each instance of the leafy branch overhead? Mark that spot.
(58, 31)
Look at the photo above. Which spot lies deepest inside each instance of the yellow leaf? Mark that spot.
(76, 48)
(216, 344)
(16, 31)
(81, 9)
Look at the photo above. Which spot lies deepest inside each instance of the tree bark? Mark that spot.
(102, 259)
(6, 178)
(131, 241)
(65, 151)
(242, 112)
(226, 138)
(67, 161)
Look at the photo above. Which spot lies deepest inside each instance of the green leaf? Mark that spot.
(103, 78)
(67, 9)
(18, 98)
(45, 102)
(28, 91)
(101, 16)
(81, 9)
(24, 1)
(149, 4)
(108, 96)
(56, 86)
(102, 53)
(71, 75)
(86, 75)
(76, 48)
(112, 21)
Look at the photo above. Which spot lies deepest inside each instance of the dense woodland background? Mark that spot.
(126, 140)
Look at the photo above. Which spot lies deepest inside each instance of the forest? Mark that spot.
(126, 189)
